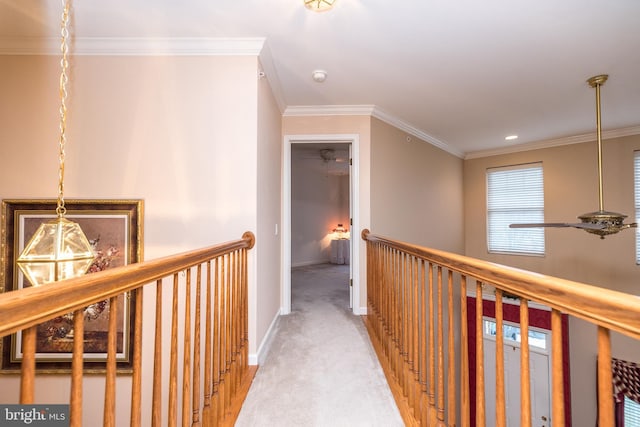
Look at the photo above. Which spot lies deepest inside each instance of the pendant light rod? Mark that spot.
(596, 82)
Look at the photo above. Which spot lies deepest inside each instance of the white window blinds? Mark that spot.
(515, 194)
(636, 174)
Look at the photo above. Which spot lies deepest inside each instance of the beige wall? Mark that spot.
(571, 189)
(416, 190)
(266, 287)
(169, 130)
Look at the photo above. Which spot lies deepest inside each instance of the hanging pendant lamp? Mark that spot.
(58, 249)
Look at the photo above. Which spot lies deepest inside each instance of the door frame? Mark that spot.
(354, 196)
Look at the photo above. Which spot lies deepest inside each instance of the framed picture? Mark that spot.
(114, 229)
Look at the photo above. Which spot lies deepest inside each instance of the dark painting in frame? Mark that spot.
(115, 231)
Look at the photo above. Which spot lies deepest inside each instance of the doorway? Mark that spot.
(316, 143)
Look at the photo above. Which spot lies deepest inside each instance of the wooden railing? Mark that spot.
(411, 309)
(207, 350)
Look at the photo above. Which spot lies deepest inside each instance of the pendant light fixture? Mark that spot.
(58, 249)
(319, 5)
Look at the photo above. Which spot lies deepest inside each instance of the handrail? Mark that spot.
(56, 299)
(611, 309)
(410, 292)
(209, 340)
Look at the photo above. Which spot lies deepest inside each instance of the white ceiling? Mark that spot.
(464, 74)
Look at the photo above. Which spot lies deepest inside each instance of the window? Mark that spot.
(511, 332)
(515, 194)
(636, 174)
(631, 408)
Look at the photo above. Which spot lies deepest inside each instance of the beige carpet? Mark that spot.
(321, 369)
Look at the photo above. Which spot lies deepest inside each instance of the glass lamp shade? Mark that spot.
(58, 250)
(319, 5)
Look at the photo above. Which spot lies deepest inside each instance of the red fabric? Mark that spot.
(511, 313)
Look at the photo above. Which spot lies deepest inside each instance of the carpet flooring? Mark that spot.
(321, 370)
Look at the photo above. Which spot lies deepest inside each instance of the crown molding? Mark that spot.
(134, 46)
(373, 111)
(394, 121)
(550, 143)
(329, 110)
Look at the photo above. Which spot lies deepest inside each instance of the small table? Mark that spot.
(340, 251)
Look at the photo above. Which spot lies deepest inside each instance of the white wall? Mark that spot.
(178, 132)
(319, 202)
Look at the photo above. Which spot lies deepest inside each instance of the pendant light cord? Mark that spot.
(64, 64)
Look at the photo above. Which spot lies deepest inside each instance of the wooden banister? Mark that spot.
(224, 321)
(410, 322)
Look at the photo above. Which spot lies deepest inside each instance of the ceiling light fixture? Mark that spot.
(319, 5)
(319, 76)
(58, 249)
(511, 137)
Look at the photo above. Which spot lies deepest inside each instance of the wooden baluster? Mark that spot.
(605, 379)
(480, 398)
(186, 354)
(28, 367)
(440, 404)
(525, 373)
(236, 323)
(156, 403)
(110, 376)
(223, 338)
(500, 396)
(215, 408)
(557, 370)
(228, 334)
(136, 377)
(393, 318)
(208, 343)
(77, 366)
(451, 374)
(173, 358)
(465, 406)
(245, 311)
(415, 327)
(424, 395)
(195, 404)
(433, 417)
(405, 313)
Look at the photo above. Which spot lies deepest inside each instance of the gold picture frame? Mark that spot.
(115, 230)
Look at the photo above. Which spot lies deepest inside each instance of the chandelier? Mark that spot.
(58, 249)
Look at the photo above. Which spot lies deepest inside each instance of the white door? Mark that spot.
(539, 366)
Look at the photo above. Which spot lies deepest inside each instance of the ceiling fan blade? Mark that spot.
(583, 225)
(542, 224)
(589, 225)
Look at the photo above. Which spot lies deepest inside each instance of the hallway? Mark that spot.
(321, 369)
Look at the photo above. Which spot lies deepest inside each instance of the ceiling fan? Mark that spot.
(600, 222)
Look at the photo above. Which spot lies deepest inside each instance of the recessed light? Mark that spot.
(511, 137)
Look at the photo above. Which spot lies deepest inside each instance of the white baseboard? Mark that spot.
(263, 349)
(362, 311)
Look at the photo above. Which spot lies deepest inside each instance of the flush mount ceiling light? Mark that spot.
(511, 137)
(319, 76)
(58, 249)
(319, 5)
